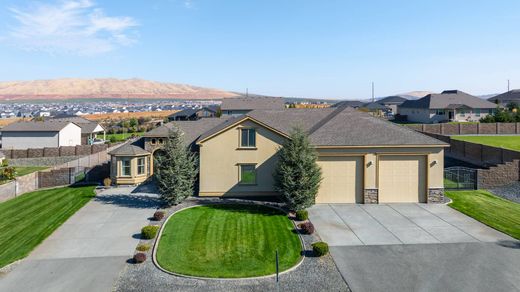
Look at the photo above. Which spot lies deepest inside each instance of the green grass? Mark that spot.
(27, 220)
(228, 241)
(24, 170)
(506, 142)
(123, 137)
(449, 184)
(501, 214)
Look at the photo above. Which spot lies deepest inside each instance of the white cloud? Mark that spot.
(188, 3)
(70, 26)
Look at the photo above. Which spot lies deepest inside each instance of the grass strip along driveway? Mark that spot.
(228, 241)
(27, 220)
(501, 214)
(506, 142)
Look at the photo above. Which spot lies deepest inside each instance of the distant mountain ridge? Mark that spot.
(73, 88)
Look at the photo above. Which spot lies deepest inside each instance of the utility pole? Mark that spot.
(373, 97)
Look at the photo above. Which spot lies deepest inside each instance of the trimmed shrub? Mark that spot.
(149, 232)
(307, 227)
(139, 257)
(107, 182)
(5, 163)
(302, 215)
(143, 247)
(158, 216)
(320, 248)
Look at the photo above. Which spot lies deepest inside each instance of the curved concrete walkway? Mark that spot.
(88, 251)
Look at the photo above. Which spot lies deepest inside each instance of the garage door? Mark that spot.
(402, 179)
(342, 180)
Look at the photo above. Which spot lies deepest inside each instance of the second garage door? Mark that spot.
(342, 180)
(402, 179)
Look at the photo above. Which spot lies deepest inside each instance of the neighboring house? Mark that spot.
(193, 114)
(375, 108)
(512, 96)
(363, 159)
(89, 129)
(243, 105)
(24, 135)
(392, 102)
(450, 105)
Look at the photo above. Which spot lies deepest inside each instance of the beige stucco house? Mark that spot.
(130, 165)
(363, 159)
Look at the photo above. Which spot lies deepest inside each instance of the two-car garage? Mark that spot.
(398, 178)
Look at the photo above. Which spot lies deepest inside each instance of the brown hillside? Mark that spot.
(104, 88)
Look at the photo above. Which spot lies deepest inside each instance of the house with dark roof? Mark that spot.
(350, 103)
(90, 130)
(363, 159)
(512, 96)
(450, 105)
(40, 134)
(192, 114)
(242, 105)
(392, 102)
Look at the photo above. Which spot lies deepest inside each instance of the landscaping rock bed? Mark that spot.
(510, 192)
(314, 274)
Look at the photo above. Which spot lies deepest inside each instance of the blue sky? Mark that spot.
(331, 49)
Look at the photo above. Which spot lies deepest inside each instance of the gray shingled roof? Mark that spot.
(36, 126)
(448, 99)
(87, 126)
(394, 99)
(192, 129)
(341, 126)
(509, 96)
(252, 103)
(129, 150)
(350, 127)
(351, 103)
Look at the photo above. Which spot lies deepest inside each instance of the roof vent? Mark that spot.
(450, 92)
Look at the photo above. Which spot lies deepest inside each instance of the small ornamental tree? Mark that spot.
(297, 175)
(176, 170)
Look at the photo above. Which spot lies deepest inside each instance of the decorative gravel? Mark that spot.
(314, 274)
(510, 192)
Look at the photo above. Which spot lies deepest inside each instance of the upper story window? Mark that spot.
(440, 112)
(247, 137)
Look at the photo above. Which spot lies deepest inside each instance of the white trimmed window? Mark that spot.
(126, 167)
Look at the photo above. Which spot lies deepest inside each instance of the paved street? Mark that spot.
(416, 247)
(88, 251)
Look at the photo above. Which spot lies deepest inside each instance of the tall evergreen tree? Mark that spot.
(297, 175)
(176, 170)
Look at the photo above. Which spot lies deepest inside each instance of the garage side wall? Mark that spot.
(432, 159)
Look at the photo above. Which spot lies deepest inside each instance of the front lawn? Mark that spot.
(506, 142)
(501, 214)
(27, 220)
(228, 241)
(123, 136)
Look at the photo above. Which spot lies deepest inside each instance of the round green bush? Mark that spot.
(302, 215)
(149, 232)
(143, 247)
(320, 248)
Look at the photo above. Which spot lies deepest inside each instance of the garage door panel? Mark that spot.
(402, 178)
(342, 180)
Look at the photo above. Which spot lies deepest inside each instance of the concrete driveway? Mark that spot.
(88, 251)
(416, 247)
(350, 224)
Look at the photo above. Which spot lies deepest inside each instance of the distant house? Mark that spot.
(392, 102)
(512, 96)
(24, 135)
(89, 129)
(243, 105)
(450, 105)
(193, 114)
